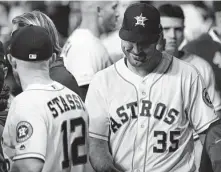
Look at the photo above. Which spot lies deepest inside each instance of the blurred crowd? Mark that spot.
(67, 15)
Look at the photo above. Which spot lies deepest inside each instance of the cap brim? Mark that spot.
(136, 37)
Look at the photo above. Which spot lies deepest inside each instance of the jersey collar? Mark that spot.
(135, 79)
(49, 87)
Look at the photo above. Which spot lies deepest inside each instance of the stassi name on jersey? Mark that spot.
(61, 104)
(146, 105)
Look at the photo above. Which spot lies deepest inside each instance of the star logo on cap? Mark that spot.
(140, 20)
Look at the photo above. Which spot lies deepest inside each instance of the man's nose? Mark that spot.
(136, 48)
(171, 33)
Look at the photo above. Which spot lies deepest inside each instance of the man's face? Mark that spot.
(138, 54)
(109, 16)
(173, 30)
(161, 43)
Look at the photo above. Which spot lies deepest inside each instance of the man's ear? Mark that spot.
(9, 58)
(98, 10)
(5, 69)
(11, 61)
(53, 58)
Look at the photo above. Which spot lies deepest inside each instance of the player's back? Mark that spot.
(61, 111)
(67, 132)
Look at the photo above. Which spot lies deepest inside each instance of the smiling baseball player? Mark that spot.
(145, 107)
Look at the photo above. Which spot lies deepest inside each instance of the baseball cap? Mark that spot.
(31, 43)
(141, 22)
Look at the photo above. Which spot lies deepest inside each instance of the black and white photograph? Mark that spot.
(110, 86)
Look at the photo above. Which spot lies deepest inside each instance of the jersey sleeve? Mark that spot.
(212, 90)
(83, 62)
(78, 62)
(25, 134)
(201, 111)
(97, 109)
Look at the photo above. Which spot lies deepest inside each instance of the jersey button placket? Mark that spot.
(144, 93)
(143, 88)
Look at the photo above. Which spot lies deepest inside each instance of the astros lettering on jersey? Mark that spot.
(149, 121)
(48, 122)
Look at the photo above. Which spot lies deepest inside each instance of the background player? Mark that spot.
(47, 124)
(84, 54)
(146, 106)
(208, 45)
(57, 70)
(172, 21)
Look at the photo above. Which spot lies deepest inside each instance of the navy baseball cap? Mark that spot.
(31, 43)
(141, 23)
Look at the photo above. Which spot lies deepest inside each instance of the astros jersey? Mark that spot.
(84, 55)
(207, 73)
(48, 122)
(209, 49)
(149, 121)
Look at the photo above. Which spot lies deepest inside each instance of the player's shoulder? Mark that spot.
(200, 63)
(25, 102)
(83, 33)
(80, 36)
(185, 68)
(85, 43)
(24, 97)
(79, 39)
(39, 93)
(28, 99)
(106, 75)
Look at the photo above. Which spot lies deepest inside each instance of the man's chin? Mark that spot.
(137, 63)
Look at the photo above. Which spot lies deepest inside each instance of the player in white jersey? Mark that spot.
(47, 125)
(83, 53)
(143, 109)
(172, 21)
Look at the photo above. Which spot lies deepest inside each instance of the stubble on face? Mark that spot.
(141, 58)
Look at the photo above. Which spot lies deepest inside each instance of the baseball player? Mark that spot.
(172, 21)
(84, 54)
(143, 109)
(47, 126)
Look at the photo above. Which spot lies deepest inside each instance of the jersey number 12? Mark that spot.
(78, 141)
